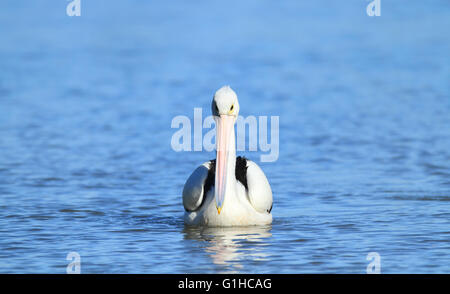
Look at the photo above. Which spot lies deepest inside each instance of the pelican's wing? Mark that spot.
(259, 191)
(193, 191)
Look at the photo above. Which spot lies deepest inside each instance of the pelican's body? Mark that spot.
(230, 190)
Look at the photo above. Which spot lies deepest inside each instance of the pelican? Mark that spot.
(229, 190)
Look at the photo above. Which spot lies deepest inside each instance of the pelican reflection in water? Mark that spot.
(228, 246)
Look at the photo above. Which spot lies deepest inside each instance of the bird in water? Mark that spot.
(228, 190)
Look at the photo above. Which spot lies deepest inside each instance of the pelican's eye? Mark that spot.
(232, 107)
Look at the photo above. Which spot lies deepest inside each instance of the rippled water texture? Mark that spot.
(86, 105)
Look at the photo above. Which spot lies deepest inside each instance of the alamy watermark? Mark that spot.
(74, 267)
(374, 267)
(374, 8)
(258, 134)
(74, 8)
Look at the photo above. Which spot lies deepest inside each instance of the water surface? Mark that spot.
(86, 105)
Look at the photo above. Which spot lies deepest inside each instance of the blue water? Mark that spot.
(86, 105)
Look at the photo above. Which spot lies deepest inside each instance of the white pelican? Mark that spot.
(227, 191)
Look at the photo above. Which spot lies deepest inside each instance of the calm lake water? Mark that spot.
(86, 105)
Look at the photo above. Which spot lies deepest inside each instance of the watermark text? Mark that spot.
(258, 134)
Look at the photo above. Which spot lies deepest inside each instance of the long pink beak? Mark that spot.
(224, 124)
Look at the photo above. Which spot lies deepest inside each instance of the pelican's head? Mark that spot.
(225, 109)
(225, 102)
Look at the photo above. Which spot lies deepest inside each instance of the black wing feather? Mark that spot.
(240, 173)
